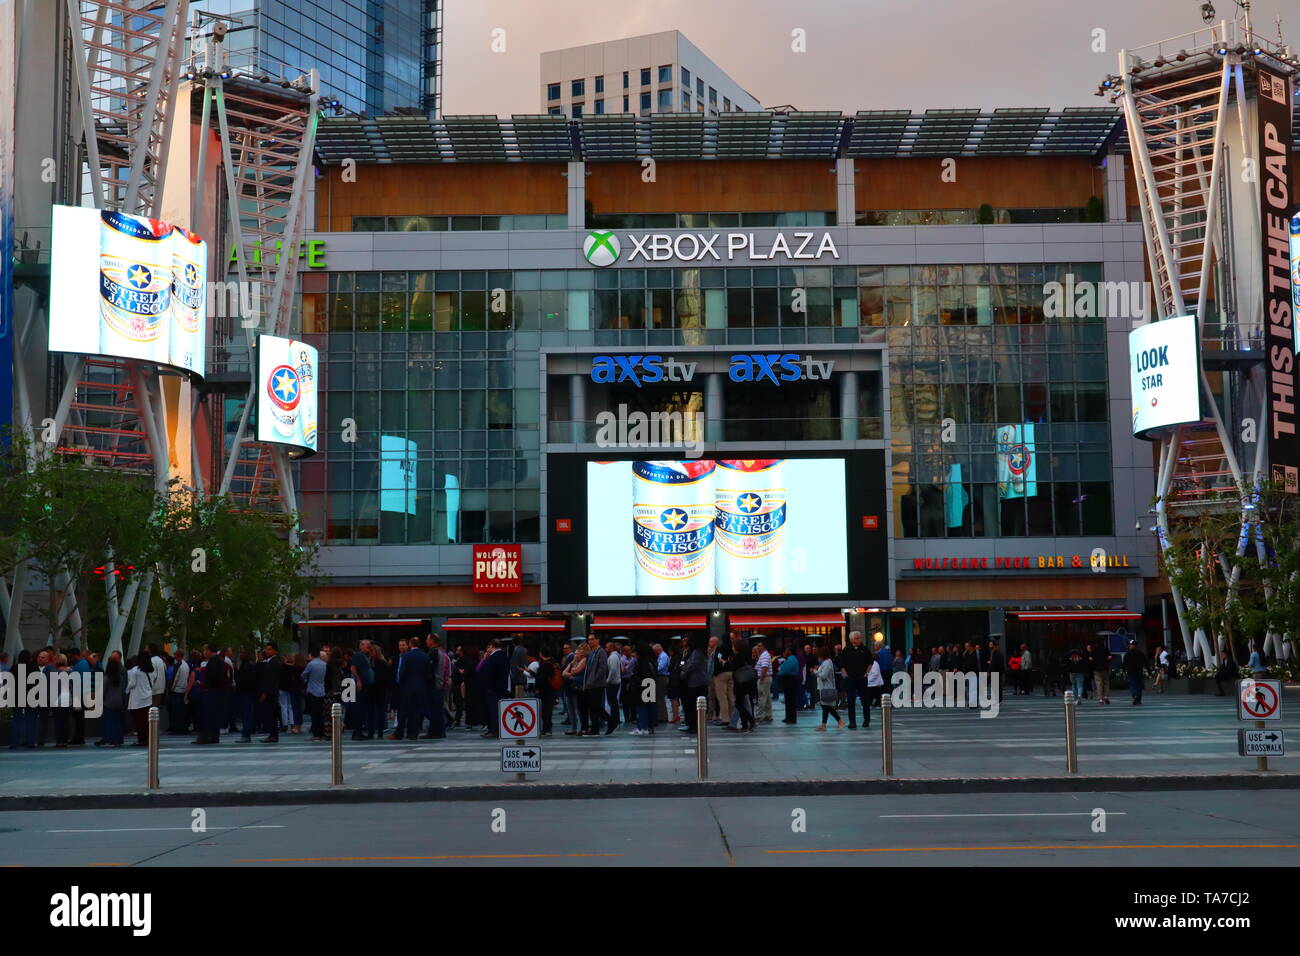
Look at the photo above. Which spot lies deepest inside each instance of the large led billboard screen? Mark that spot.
(1165, 372)
(127, 287)
(287, 391)
(703, 530)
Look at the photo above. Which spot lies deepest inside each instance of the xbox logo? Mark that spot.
(601, 248)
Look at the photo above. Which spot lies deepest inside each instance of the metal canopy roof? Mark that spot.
(1076, 131)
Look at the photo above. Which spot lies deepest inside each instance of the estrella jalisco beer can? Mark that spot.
(672, 526)
(135, 282)
(188, 305)
(307, 384)
(284, 389)
(750, 499)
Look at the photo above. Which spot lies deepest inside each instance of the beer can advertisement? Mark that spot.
(1164, 366)
(287, 393)
(128, 287)
(762, 527)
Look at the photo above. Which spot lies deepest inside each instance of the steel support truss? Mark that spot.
(1181, 123)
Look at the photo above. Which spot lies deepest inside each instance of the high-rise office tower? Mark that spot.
(374, 56)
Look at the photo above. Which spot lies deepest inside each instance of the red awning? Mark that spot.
(504, 624)
(651, 622)
(787, 619)
(1097, 615)
(368, 622)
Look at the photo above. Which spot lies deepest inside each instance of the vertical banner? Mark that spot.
(1017, 461)
(1274, 108)
(9, 84)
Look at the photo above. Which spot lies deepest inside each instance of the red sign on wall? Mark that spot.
(498, 567)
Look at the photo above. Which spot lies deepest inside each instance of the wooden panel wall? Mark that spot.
(1001, 181)
(440, 189)
(714, 186)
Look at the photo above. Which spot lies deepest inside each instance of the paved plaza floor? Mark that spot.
(1166, 735)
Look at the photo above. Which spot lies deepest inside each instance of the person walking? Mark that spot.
(549, 684)
(1077, 668)
(1255, 664)
(268, 691)
(595, 678)
(247, 677)
(763, 668)
(826, 691)
(643, 683)
(695, 683)
(854, 662)
(788, 674)
(663, 667)
(1101, 672)
(412, 687)
(313, 681)
(114, 701)
(574, 675)
(1225, 673)
(139, 696)
(675, 686)
(745, 684)
(1135, 663)
(724, 667)
(440, 674)
(1162, 669)
(1026, 671)
(495, 676)
(178, 717)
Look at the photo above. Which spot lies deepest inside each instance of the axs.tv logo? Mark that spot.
(773, 367)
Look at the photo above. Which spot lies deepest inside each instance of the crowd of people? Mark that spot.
(424, 690)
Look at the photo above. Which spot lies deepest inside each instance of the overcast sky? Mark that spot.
(861, 54)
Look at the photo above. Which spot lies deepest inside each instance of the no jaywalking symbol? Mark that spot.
(517, 718)
(1259, 700)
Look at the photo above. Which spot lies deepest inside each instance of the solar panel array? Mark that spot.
(1084, 131)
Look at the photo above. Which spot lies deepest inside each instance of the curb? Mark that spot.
(692, 788)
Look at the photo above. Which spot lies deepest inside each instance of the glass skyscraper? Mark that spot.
(374, 56)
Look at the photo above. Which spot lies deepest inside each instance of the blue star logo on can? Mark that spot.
(749, 503)
(673, 518)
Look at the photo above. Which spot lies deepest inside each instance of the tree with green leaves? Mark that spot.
(228, 575)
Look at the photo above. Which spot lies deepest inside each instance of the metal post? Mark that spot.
(153, 748)
(886, 736)
(702, 737)
(336, 745)
(519, 692)
(1261, 763)
(1071, 733)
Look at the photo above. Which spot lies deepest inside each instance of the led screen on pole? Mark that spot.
(1164, 369)
(286, 396)
(127, 287)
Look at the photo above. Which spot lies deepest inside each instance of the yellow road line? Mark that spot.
(1066, 846)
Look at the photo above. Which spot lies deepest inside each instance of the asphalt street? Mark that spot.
(1196, 829)
(1190, 734)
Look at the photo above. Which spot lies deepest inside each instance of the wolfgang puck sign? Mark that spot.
(497, 567)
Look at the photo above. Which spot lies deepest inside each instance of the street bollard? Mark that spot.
(1071, 733)
(701, 738)
(153, 748)
(336, 745)
(887, 736)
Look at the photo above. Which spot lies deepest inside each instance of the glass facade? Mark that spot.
(446, 366)
(374, 56)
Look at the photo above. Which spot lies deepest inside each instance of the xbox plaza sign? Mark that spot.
(604, 248)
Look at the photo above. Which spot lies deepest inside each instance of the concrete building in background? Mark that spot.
(373, 57)
(653, 73)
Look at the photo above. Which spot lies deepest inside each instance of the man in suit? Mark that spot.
(412, 689)
(496, 683)
(268, 691)
(995, 665)
(439, 681)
